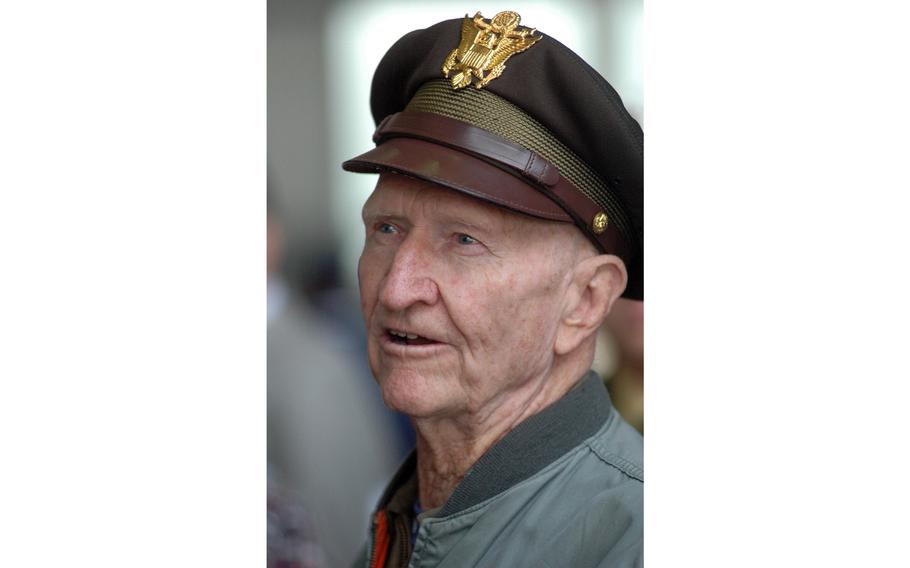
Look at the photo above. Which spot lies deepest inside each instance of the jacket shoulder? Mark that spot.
(620, 446)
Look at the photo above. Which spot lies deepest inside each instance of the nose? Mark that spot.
(409, 279)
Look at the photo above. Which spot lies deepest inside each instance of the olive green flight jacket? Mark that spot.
(563, 489)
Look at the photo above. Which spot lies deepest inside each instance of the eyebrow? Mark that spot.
(483, 226)
(368, 213)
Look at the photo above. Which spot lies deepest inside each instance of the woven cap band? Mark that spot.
(488, 111)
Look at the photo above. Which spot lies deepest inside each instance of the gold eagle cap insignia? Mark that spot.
(485, 47)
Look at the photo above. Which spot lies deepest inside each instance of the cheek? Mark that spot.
(533, 312)
(501, 313)
(369, 276)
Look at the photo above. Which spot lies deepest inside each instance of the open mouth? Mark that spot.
(405, 338)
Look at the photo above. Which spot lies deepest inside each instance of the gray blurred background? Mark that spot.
(332, 444)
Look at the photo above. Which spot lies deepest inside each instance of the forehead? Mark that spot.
(402, 195)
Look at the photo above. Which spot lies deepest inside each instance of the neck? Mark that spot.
(447, 447)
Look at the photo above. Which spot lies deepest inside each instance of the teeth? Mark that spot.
(403, 334)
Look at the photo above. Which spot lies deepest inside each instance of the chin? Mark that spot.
(414, 394)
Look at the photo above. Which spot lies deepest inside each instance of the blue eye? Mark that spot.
(466, 239)
(386, 228)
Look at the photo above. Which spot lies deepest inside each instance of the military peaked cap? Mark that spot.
(509, 115)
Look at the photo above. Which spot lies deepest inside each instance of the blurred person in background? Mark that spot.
(620, 360)
(505, 224)
(331, 444)
(291, 538)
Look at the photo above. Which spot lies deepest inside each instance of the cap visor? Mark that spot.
(459, 171)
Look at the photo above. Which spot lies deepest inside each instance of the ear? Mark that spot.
(596, 283)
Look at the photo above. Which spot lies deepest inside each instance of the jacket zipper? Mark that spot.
(404, 536)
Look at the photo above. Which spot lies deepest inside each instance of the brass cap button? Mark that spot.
(599, 224)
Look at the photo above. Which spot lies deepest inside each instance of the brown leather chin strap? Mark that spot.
(537, 172)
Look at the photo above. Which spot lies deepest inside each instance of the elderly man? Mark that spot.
(506, 221)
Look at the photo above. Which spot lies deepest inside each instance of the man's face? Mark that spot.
(476, 290)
